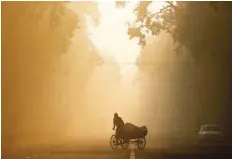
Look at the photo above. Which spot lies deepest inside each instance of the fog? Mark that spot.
(181, 93)
(56, 88)
(43, 77)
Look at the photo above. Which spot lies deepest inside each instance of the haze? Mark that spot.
(65, 83)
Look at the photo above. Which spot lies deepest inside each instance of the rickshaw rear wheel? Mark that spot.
(141, 143)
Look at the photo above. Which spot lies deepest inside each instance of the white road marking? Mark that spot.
(132, 150)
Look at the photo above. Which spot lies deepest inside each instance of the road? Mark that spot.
(73, 151)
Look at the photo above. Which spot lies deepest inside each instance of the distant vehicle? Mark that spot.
(210, 134)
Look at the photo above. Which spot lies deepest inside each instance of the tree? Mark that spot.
(186, 22)
(34, 34)
(203, 28)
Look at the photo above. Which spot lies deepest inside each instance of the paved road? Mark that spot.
(104, 152)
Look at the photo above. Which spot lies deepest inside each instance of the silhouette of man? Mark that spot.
(119, 123)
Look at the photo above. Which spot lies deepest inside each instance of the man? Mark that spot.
(119, 123)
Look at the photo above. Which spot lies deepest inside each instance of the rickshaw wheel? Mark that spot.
(141, 143)
(113, 142)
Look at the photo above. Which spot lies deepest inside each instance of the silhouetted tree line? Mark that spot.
(204, 29)
(34, 34)
(198, 26)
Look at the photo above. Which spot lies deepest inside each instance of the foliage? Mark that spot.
(198, 26)
(204, 28)
(34, 34)
(28, 17)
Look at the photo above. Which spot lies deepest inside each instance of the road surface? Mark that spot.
(73, 151)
